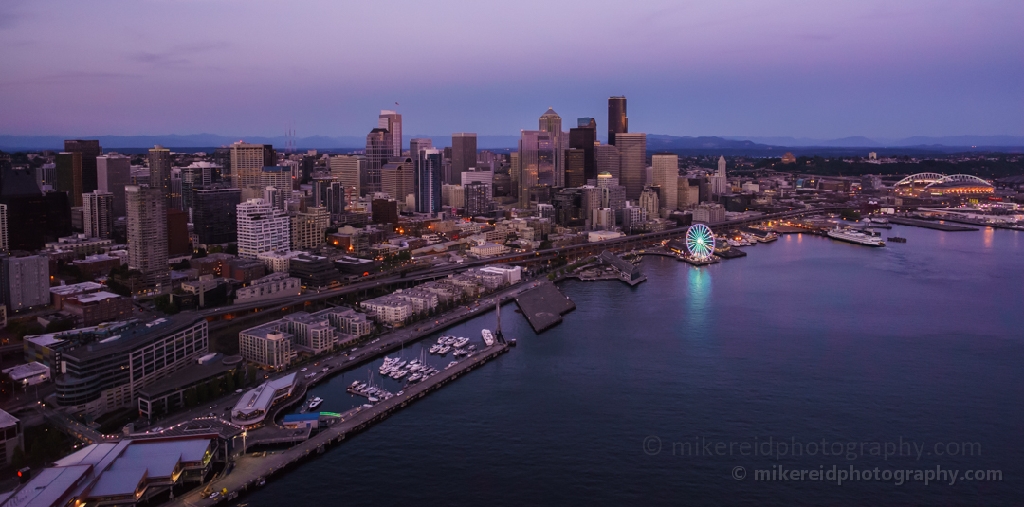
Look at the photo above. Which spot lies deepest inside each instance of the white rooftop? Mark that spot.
(26, 370)
(75, 288)
(97, 296)
(6, 419)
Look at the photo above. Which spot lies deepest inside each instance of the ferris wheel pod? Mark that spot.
(700, 242)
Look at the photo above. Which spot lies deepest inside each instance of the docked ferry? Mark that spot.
(855, 237)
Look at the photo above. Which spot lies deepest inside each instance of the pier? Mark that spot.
(249, 471)
(930, 225)
(544, 306)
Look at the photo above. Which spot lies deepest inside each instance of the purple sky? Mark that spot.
(759, 67)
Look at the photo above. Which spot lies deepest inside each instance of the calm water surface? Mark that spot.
(804, 344)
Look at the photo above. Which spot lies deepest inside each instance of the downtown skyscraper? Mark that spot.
(382, 143)
(551, 123)
(98, 214)
(247, 163)
(160, 172)
(537, 155)
(632, 162)
(463, 155)
(147, 235)
(261, 228)
(428, 181)
(392, 122)
(666, 176)
(583, 137)
(618, 122)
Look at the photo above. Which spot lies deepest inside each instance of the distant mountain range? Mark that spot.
(15, 143)
(655, 142)
(866, 142)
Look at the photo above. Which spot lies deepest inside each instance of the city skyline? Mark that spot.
(749, 69)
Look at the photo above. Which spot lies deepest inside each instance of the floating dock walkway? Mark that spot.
(930, 225)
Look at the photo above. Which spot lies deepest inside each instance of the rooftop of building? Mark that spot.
(96, 297)
(96, 258)
(134, 336)
(7, 420)
(75, 288)
(109, 469)
(260, 398)
(23, 371)
(271, 278)
(189, 375)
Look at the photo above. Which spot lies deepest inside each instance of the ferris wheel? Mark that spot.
(700, 242)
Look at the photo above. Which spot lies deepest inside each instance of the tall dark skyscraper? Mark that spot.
(69, 175)
(378, 151)
(33, 218)
(575, 162)
(618, 122)
(428, 181)
(160, 172)
(90, 149)
(463, 155)
(215, 214)
(583, 138)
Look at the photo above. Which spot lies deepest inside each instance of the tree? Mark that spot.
(203, 392)
(191, 397)
(18, 458)
(229, 382)
(56, 326)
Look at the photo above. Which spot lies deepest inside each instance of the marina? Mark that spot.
(251, 472)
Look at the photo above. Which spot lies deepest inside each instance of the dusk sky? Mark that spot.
(732, 68)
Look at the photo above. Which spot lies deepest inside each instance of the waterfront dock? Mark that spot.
(930, 225)
(544, 306)
(250, 470)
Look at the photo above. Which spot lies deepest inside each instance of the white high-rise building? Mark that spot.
(666, 175)
(648, 199)
(147, 235)
(261, 228)
(719, 183)
(25, 281)
(98, 214)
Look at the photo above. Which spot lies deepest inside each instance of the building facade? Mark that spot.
(96, 378)
(147, 235)
(632, 162)
(98, 214)
(261, 228)
(666, 176)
